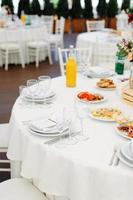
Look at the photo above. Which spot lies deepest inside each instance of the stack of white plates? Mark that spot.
(99, 72)
(47, 128)
(38, 97)
(125, 154)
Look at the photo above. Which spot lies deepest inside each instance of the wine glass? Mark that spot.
(81, 115)
(32, 87)
(64, 126)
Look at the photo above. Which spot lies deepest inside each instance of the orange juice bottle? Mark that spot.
(23, 17)
(71, 69)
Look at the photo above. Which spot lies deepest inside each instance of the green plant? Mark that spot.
(87, 12)
(76, 11)
(8, 3)
(102, 8)
(48, 8)
(125, 5)
(112, 8)
(35, 8)
(62, 8)
(24, 5)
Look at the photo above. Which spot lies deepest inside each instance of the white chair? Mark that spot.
(11, 47)
(95, 25)
(38, 45)
(20, 188)
(81, 55)
(4, 137)
(16, 188)
(48, 21)
(56, 40)
(105, 54)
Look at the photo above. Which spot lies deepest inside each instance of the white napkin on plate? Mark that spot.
(43, 126)
(99, 72)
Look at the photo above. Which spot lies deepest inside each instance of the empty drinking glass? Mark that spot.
(32, 86)
(44, 84)
(81, 115)
(21, 88)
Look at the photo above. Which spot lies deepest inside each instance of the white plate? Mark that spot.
(106, 89)
(39, 96)
(126, 151)
(123, 159)
(46, 127)
(101, 119)
(92, 102)
(65, 132)
(123, 134)
(39, 100)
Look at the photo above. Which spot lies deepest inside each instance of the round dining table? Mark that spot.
(103, 44)
(81, 171)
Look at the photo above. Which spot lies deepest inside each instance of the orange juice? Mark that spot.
(71, 69)
(23, 18)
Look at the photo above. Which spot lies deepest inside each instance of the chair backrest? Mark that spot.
(13, 36)
(4, 137)
(59, 26)
(20, 188)
(105, 53)
(38, 33)
(95, 25)
(82, 57)
(48, 21)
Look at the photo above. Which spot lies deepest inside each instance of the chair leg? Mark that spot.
(50, 55)
(37, 57)
(56, 52)
(6, 60)
(27, 56)
(22, 58)
(1, 63)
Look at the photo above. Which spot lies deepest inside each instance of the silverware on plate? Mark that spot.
(56, 139)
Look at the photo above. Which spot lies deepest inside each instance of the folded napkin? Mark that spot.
(99, 72)
(43, 125)
(50, 126)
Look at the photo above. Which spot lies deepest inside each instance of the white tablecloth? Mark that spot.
(80, 171)
(22, 35)
(99, 41)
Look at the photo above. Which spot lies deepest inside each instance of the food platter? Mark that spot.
(123, 130)
(106, 84)
(105, 114)
(87, 97)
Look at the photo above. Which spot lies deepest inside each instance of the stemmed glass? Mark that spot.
(64, 126)
(32, 86)
(81, 115)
